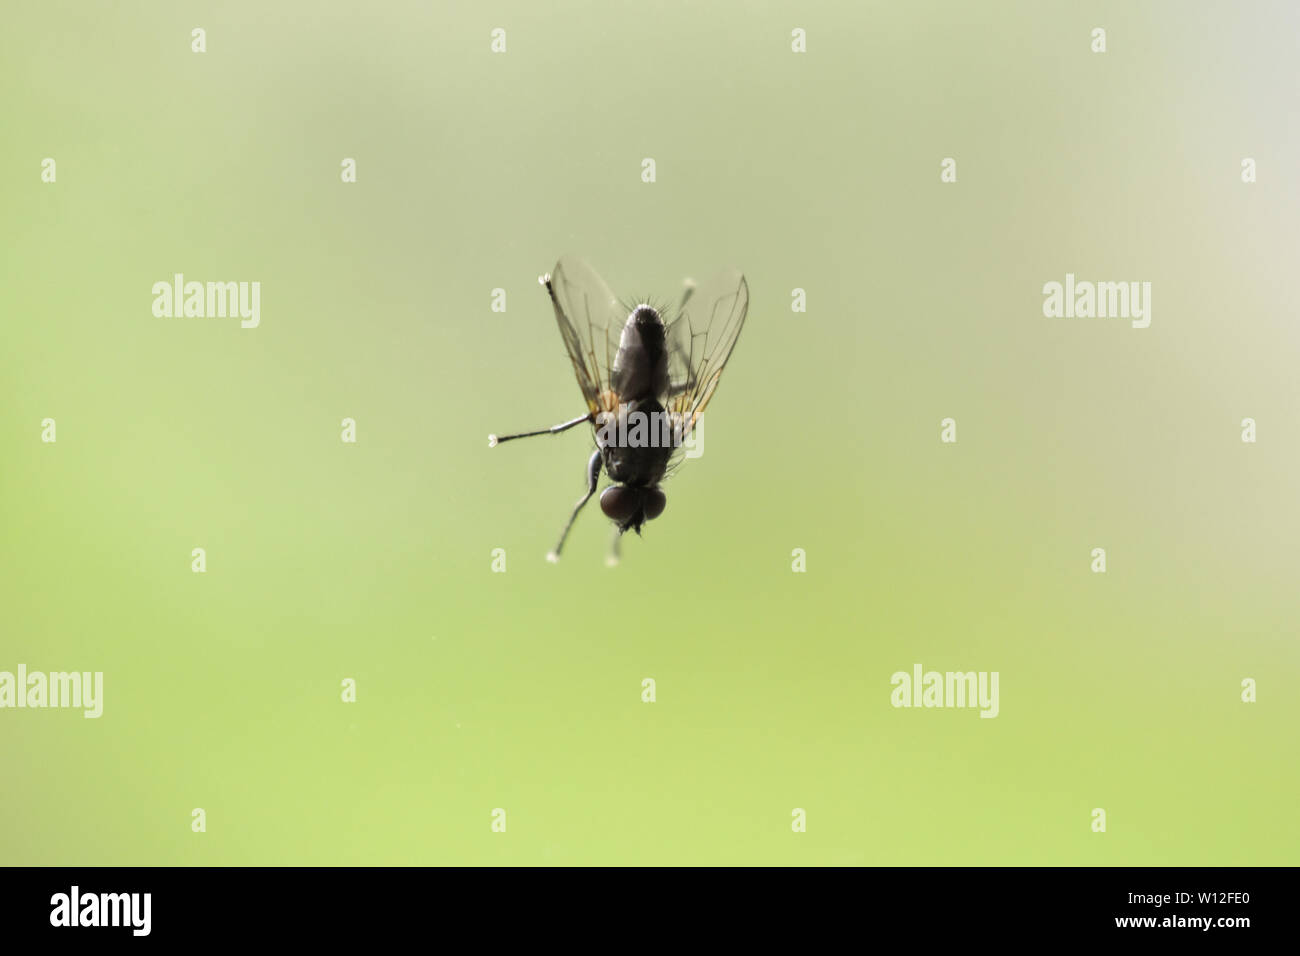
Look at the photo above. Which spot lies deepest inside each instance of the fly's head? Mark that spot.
(630, 506)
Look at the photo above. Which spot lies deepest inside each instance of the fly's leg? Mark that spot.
(593, 474)
(612, 559)
(687, 292)
(680, 388)
(494, 440)
(545, 282)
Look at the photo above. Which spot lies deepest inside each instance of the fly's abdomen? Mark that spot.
(640, 369)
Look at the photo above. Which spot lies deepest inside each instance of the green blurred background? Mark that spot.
(522, 690)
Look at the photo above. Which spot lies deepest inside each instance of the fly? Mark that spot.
(646, 382)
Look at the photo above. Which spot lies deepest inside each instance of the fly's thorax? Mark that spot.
(640, 368)
(637, 443)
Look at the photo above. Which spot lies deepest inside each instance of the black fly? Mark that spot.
(645, 386)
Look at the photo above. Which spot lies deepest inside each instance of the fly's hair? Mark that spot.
(662, 306)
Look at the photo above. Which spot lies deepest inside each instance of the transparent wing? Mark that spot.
(591, 321)
(700, 341)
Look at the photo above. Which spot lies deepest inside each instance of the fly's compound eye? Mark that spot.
(619, 503)
(653, 501)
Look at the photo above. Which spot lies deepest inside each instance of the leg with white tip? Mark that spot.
(593, 475)
(688, 290)
(494, 440)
